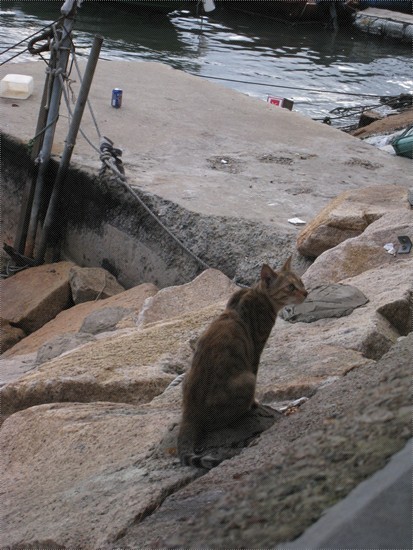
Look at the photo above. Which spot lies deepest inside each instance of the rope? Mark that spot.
(283, 86)
(404, 100)
(28, 38)
(110, 160)
(92, 114)
(46, 35)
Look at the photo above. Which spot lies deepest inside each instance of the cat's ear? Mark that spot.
(267, 275)
(287, 265)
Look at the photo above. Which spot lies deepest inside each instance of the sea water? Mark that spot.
(317, 69)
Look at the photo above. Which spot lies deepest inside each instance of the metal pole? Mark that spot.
(70, 143)
(28, 196)
(53, 115)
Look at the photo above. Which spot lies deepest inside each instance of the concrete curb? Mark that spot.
(376, 514)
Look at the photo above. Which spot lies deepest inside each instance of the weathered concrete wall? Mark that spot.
(102, 224)
(224, 171)
(97, 224)
(15, 170)
(386, 23)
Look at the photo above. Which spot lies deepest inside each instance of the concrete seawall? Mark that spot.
(100, 224)
(386, 23)
(224, 171)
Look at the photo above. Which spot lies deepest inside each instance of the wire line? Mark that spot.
(283, 86)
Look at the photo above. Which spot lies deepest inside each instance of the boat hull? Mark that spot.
(402, 6)
(293, 10)
(160, 6)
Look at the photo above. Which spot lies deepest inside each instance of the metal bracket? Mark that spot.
(406, 245)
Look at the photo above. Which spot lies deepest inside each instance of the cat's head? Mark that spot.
(283, 287)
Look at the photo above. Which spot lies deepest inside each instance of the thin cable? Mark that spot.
(29, 37)
(13, 57)
(123, 181)
(21, 42)
(121, 178)
(88, 101)
(266, 84)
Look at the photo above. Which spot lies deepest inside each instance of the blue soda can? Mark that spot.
(117, 98)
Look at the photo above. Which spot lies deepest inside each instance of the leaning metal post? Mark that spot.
(64, 47)
(28, 196)
(68, 150)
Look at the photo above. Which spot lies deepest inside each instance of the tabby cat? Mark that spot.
(220, 386)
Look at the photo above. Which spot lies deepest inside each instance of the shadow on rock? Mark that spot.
(225, 443)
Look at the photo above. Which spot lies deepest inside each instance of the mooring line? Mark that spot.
(49, 26)
(268, 85)
(109, 160)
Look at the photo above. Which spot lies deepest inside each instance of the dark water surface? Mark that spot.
(265, 57)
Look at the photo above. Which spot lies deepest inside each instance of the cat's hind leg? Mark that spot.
(235, 402)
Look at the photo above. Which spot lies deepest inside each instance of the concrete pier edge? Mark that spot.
(376, 514)
(386, 23)
(225, 171)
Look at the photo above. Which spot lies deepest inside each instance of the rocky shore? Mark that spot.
(90, 414)
(92, 364)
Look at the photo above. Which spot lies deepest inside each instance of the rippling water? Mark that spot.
(264, 57)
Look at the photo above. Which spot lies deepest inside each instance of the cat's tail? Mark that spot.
(189, 440)
(206, 461)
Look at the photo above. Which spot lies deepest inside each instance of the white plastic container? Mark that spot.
(16, 86)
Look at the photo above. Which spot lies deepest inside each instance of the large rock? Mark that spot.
(59, 345)
(390, 290)
(104, 320)
(210, 286)
(348, 216)
(9, 335)
(76, 474)
(374, 328)
(120, 457)
(387, 125)
(92, 283)
(16, 367)
(296, 470)
(359, 254)
(71, 320)
(120, 462)
(131, 366)
(34, 296)
(300, 368)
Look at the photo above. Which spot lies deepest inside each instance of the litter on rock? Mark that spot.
(297, 221)
(292, 406)
(390, 248)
